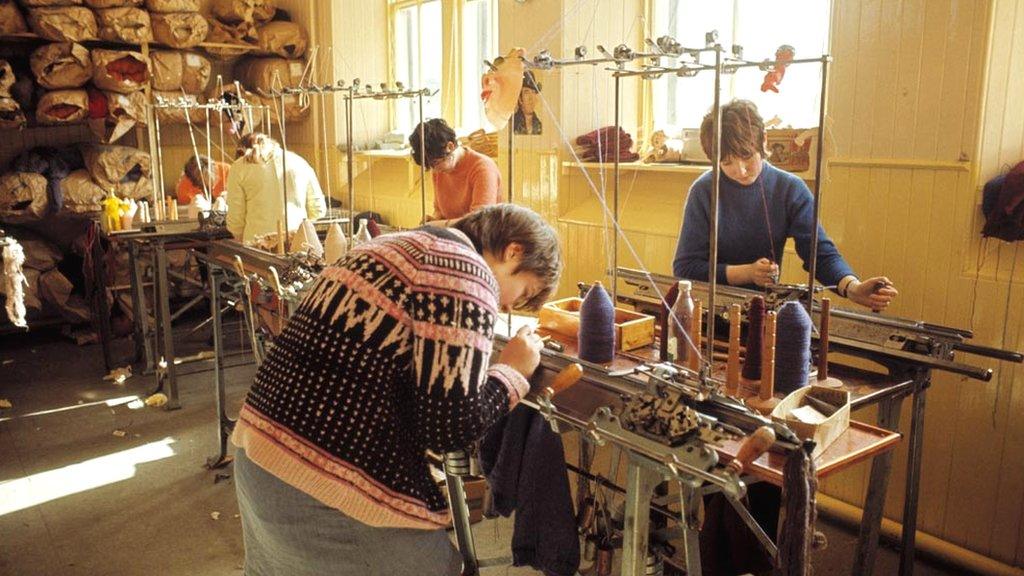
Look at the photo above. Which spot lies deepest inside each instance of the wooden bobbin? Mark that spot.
(280, 237)
(732, 367)
(823, 378)
(696, 325)
(174, 209)
(765, 401)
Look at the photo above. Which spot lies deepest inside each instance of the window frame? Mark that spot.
(646, 113)
(453, 75)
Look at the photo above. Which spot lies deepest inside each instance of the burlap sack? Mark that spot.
(62, 107)
(22, 197)
(64, 24)
(180, 29)
(264, 75)
(119, 70)
(167, 70)
(11, 114)
(126, 24)
(7, 78)
(167, 6)
(103, 4)
(177, 115)
(43, 3)
(61, 65)
(224, 35)
(233, 11)
(263, 10)
(123, 169)
(295, 108)
(195, 73)
(285, 39)
(58, 292)
(32, 300)
(126, 111)
(81, 194)
(11, 20)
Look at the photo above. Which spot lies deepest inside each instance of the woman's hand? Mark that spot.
(523, 351)
(875, 293)
(763, 272)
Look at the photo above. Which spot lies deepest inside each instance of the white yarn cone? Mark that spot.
(335, 245)
(305, 240)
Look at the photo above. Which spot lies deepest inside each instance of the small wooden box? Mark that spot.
(825, 433)
(789, 149)
(632, 329)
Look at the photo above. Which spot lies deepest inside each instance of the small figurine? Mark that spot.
(783, 56)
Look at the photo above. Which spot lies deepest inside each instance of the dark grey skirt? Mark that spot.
(289, 533)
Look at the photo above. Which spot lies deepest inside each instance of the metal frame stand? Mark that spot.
(225, 423)
(167, 369)
(456, 466)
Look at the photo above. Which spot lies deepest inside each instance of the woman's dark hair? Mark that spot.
(492, 228)
(530, 81)
(195, 169)
(436, 135)
(742, 130)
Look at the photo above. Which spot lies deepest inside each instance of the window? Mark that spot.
(479, 43)
(442, 45)
(760, 27)
(416, 57)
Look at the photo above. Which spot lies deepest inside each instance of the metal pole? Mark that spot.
(423, 168)
(716, 182)
(284, 169)
(157, 157)
(456, 465)
(350, 161)
(812, 266)
(511, 161)
(615, 194)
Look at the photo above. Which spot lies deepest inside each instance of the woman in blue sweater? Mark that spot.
(760, 207)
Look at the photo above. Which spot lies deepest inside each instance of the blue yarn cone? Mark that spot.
(597, 326)
(755, 329)
(792, 347)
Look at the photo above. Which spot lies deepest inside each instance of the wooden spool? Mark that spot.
(823, 378)
(280, 237)
(732, 368)
(696, 324)
(766, 401)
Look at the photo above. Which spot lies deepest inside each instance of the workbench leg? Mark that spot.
(143, 340)
(691, 500)
(916, 449)
(164, 327)
(224, 424)
(640, 484)
(874, 503)
(456, 465)
(101, 307)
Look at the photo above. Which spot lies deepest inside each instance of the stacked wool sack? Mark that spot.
(235, 22)
(69, 21)
(600, 146)
(180, 77)
(11, 114)
(12, 21)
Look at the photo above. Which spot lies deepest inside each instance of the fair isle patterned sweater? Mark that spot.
(386, 356)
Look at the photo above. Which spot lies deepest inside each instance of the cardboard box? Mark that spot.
(632, 329)
(791, 150)
(823, 433)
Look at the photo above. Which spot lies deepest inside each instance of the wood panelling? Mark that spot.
(924, 107)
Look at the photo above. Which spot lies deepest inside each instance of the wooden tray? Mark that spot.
(632, 329)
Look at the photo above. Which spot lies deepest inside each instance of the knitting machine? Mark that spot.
(670, 428)
(893, 342)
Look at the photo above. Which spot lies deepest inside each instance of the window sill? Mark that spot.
(570, 167)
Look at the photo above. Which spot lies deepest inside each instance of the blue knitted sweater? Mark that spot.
(744, 234)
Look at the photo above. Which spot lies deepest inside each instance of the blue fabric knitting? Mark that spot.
(743, 233)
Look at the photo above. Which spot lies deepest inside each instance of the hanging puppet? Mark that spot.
(502, 86)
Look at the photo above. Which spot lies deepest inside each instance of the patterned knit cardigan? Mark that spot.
(387, 356)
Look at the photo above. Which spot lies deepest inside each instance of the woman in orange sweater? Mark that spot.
(197, 170)
(464, 179)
